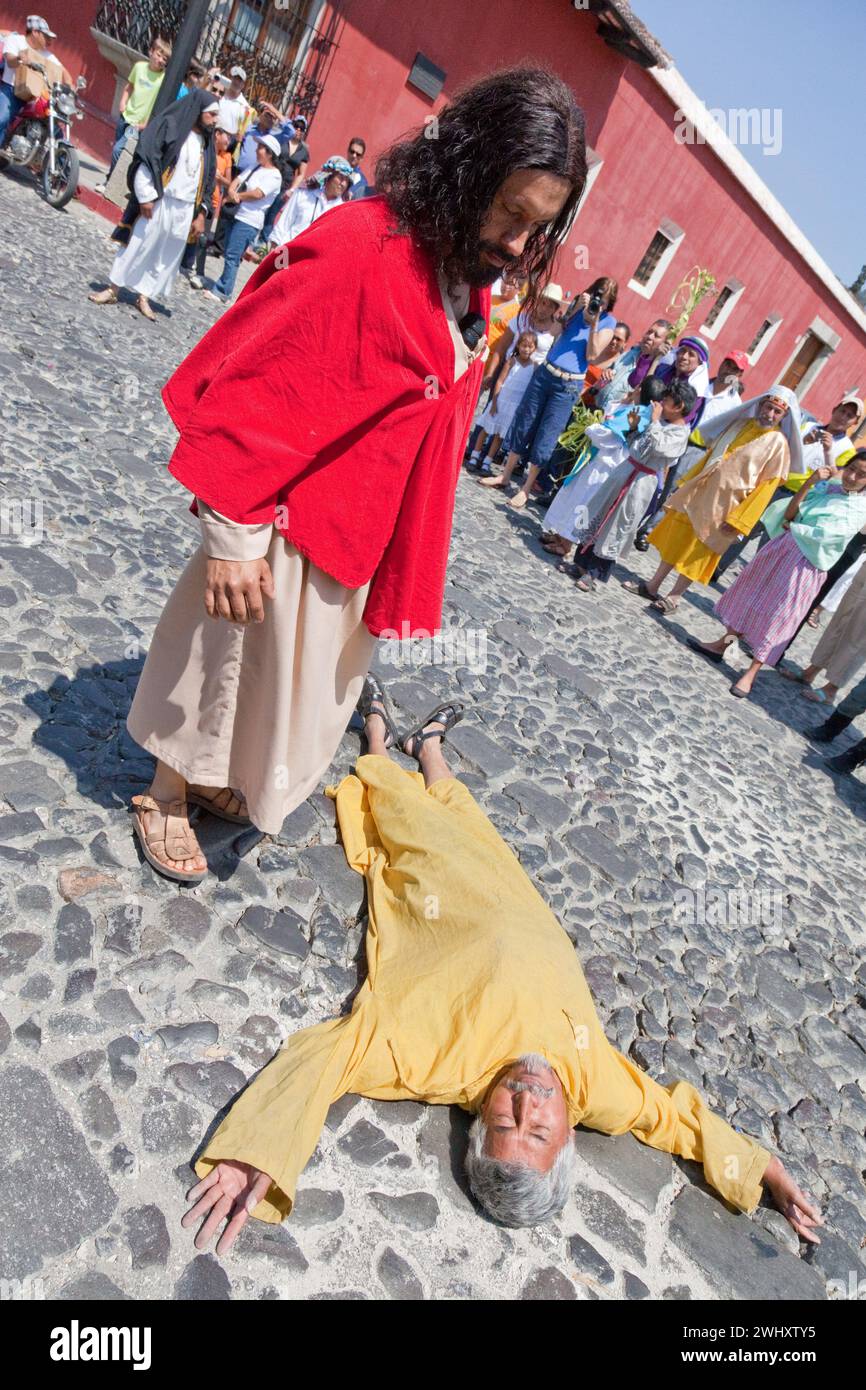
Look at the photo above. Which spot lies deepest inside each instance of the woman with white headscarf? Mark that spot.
(752, 448)
(324, 191)
(809, 532)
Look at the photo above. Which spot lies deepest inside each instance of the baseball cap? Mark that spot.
(35, 21)
(554, 292)
(739, 359)
(299, 121)
(238, 72)
(272, 143)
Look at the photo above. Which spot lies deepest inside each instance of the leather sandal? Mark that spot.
(447, 715)
(373, 700)
(198, 796)
(143, 306)
(716, 657)
(174, 838)
(640, 588)
(108, 296)
(666, 605)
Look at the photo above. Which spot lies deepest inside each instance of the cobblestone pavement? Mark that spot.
(611, 758)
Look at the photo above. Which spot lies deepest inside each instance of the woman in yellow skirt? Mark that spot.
(724, 496)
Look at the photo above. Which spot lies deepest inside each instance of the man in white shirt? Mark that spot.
(235, 110)
(14, 47)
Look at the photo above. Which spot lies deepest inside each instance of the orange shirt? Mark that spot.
(500, 318)
(224, 167)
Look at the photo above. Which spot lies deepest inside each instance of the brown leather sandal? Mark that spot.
(198, 796)
(176, 840)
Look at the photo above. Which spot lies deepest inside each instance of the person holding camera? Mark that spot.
(557, 386)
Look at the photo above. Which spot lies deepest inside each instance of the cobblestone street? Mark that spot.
(644, 802)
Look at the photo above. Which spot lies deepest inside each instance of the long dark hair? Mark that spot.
(440, 188)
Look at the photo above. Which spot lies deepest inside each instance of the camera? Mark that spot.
(594, 305)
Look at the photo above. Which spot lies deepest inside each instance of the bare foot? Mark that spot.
(519, 500)
(498, 481)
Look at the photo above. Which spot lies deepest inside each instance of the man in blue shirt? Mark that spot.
(557, 386)
(269, 121)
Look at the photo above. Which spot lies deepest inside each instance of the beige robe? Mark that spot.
(261, 707)
(712, 493)
(841, 651)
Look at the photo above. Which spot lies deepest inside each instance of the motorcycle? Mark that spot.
(39, 138)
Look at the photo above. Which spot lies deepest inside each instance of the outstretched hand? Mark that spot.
(228, 1193)
(800, 1213)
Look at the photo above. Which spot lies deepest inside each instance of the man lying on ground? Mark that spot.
(475, 997)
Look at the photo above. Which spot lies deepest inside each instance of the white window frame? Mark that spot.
(675, 236)
(594, 162)
(775, 321)
(736, 287)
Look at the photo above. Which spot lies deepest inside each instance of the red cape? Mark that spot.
(328, 391)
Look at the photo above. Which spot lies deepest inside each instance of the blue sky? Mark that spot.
(806, 59)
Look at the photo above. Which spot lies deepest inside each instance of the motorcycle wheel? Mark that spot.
(59, 189)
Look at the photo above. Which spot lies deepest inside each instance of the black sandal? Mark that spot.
(373, 694)
(716, 657)
(640, 589)
(448, 715)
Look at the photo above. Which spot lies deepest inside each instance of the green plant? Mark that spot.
(573, 438)
(687, 296)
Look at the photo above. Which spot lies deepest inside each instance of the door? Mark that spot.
(809, 350)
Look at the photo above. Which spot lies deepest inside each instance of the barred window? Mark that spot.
(761, 333)
(718, 306)
(651, 257)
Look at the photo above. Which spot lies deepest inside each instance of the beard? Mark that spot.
(478, 273)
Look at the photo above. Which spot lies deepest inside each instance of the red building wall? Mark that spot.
(645, 176)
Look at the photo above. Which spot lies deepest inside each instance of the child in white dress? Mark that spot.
(504, 400)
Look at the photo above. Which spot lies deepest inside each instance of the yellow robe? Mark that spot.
(468, 970)
(674, 537)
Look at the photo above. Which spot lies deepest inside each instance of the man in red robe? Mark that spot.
(322, 422)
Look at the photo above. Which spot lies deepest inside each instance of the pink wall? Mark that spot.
(646, 175)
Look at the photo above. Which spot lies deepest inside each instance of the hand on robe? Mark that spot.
(800, 1214)
(235, 589)
(146, 210)
(230, 1190)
